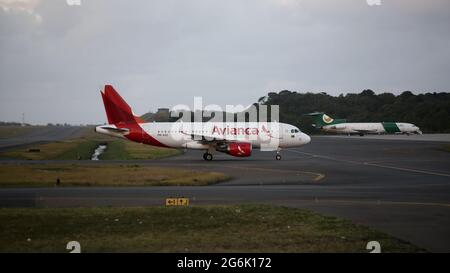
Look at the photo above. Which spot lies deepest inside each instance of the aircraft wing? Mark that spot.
(208, 139)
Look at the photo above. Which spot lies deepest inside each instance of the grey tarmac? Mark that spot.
(399, 187)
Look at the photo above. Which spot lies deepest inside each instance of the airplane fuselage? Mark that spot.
(233, 138)
(372, 128)
(201, 135)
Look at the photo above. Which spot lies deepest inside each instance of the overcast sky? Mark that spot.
(54, 58)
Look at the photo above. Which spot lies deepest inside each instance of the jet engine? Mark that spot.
(238, 149)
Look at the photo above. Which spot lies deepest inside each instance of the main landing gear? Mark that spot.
(278, 156)
(207, 156)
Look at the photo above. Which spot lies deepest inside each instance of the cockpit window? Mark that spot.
(293, 131)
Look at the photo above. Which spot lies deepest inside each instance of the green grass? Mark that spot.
(246, 228)
(141, 151)
(115, 151)
(82, 149)
(46, 175)
(127, 150)
(11, 131)
(60, 150)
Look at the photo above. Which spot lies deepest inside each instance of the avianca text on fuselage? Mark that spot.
(235, 131)
(255, 132)
(235, 138)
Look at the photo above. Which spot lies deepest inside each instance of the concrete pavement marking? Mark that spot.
(407, 169)
(317, 176)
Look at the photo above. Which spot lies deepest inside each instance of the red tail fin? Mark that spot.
(117, 110)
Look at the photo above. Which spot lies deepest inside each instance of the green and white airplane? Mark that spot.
(341, 126)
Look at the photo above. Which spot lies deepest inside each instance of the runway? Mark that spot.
(400, 187)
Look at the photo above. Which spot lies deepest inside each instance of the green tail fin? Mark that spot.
(322, 119)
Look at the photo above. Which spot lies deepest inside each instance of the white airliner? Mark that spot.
(234, 138)
(341, 126)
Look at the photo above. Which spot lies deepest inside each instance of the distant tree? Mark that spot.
(406, 94)
(367, 92)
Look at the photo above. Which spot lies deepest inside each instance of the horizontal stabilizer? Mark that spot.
(108, 129)
(314, 114)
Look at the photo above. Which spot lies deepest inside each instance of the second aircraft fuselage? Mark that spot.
(372, 128)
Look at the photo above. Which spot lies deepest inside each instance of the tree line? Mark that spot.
(429, 111)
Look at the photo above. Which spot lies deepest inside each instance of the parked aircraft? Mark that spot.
(341, 126)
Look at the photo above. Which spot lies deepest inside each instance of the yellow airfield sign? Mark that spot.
(177, 201)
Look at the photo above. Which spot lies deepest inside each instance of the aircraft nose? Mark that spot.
(306, 139)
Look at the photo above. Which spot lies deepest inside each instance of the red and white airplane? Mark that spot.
(234, 138)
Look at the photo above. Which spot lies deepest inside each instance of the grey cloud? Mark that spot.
(162, 53)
